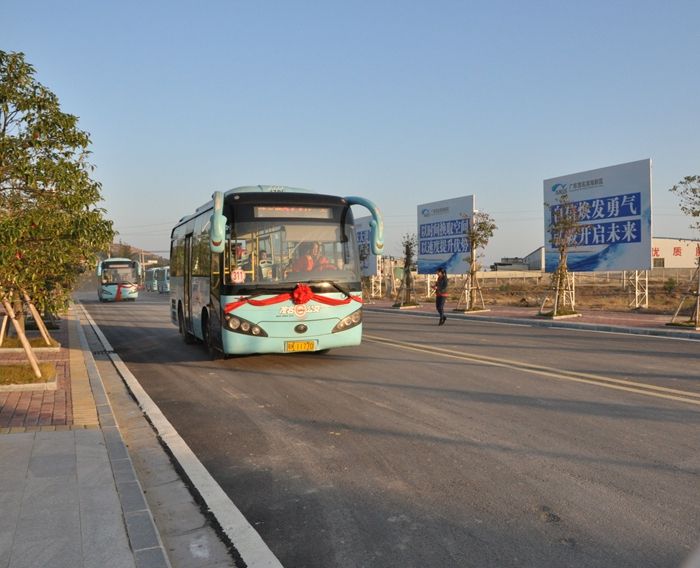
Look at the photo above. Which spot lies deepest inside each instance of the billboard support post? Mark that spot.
(465, 304)
(638, 282)
(564, 297)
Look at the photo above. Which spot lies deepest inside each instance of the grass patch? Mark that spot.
(24, 375)
(11, 342)
(550, 314)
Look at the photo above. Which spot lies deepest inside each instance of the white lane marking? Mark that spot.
(607, 382)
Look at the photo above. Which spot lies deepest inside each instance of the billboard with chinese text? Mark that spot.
(368, 260)
(442, 235)
(613, 206)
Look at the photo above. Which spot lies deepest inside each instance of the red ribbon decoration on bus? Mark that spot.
(301, 295)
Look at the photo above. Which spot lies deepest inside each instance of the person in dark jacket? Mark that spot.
(440, 288)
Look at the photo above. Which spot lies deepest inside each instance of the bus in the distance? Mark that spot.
(269, 269)
(149, 282)
(118, 279)
(163, 280)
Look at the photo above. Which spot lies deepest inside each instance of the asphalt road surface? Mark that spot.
(468, 445)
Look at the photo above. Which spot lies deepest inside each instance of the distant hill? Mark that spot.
(147, 258)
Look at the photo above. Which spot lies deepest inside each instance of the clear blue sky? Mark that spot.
(399, 101)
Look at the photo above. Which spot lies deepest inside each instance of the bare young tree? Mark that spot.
(406, 296)
(688, 192)
(563, 228)
(479, 233)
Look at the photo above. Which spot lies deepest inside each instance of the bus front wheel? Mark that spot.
(214, 353)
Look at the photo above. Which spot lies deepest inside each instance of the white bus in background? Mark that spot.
(149, 282)
(163, 280)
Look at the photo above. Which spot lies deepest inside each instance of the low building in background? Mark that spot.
(666, 252)
(515, 263)
(674, 253)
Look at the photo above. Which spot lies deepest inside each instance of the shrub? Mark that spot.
(670, 286)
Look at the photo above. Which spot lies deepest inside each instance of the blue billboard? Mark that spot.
(613, 208)
(443, 228)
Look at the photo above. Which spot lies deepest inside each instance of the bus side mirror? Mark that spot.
(376, 224)
(217, 226)
(99, 268)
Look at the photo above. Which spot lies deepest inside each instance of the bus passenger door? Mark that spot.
(187, 284)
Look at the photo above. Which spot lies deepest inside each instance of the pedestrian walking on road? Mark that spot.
(440, 288)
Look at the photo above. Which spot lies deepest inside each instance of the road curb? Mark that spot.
(143, 535)
(529, 321)
(241, 536)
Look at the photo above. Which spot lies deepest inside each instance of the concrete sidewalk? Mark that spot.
(68, 491)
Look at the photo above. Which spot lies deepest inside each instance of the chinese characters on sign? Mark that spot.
(444, 237)
(611, 207)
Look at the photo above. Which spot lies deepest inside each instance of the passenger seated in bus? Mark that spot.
(265, 266)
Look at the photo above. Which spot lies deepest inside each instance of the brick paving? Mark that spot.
(28, 410)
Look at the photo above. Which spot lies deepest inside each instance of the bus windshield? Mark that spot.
(281, 251)
(118, 275)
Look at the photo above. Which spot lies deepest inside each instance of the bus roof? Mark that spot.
(247, 189)
(255, 189)
(116, 259)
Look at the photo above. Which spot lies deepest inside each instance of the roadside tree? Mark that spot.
(688, 192)
(563, 228)
(406, 296)
(480, 231)
(50, 226)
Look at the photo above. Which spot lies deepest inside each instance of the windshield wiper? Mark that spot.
(335, 285)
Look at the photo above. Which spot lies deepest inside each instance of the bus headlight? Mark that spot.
(349, 321)
(243, 326)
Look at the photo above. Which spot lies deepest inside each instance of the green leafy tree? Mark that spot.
(480, 231)
(50, 226)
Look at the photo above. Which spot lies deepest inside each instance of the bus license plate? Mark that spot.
(294, 346)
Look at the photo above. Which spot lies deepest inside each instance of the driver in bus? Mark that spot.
(320, 262)
(305, 261)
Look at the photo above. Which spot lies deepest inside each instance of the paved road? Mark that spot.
(472, 444)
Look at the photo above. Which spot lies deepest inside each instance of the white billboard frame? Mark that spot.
(368, 260)
(615, 229)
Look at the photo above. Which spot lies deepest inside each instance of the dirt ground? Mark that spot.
(664, 298)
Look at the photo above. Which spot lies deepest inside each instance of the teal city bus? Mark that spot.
(269, 269)
(118, 279)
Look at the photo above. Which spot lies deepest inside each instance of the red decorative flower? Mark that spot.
(302, 294)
